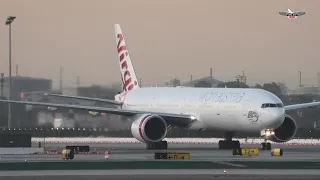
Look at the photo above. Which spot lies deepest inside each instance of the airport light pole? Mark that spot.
(9, 22)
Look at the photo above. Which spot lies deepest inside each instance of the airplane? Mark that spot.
(155, 110)
(108, 101)
(292, 15)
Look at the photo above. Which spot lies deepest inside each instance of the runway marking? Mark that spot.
(230, 164)
(148, 157)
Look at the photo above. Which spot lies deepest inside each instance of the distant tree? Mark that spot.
(203, 83)
(258, 86)
(221, 85)
(272, 87)
(233, 84)
(175, 82)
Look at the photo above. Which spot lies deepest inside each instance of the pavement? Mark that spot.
(205, 152)
(234, 174)
(198, 152)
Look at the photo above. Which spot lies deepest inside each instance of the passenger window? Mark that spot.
(263, 105)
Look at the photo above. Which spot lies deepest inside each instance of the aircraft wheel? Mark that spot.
(268, 146)
(157, 145)
(229, 144)
(236, 145)
(162, 145)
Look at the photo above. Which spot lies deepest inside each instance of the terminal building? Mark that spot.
(22, 85)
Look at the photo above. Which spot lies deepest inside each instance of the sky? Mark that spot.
(165, 38)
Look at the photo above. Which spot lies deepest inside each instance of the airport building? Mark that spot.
(21, 85)
(313, 90)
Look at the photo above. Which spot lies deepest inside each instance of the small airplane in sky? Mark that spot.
(292, 15)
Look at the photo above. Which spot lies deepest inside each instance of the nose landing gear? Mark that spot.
(266, 134)
(265, 145)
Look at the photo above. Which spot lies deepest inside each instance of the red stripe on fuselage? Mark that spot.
(140, 127)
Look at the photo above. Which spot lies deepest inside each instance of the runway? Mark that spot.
(233, 174)
(201, 152)
(140, 148)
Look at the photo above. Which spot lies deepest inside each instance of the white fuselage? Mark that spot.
(215, 108)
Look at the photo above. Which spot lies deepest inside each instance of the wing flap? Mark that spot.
(180, 120)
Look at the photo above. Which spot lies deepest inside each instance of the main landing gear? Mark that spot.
(228, 143)
(157, 145)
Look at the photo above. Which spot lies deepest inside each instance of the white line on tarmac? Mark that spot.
(230, 164)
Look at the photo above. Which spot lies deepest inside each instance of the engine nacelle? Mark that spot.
(285, 132)
(149, 128)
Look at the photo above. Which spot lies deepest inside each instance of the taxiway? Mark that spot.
(234, 174)
(200, 152)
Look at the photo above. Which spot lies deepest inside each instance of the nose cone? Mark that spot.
(274, 117)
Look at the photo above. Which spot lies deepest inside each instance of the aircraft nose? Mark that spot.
(275, 117)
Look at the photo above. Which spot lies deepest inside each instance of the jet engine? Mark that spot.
(149, 128)
(285, 132)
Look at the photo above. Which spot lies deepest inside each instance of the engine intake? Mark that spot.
(149, 128)
(285, 132)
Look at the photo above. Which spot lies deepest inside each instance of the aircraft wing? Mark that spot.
(299, 106)
(283, 13)
(87, 98)
(300, 13)
(179, 120)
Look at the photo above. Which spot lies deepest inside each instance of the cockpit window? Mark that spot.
(273, 105)
(267, 105)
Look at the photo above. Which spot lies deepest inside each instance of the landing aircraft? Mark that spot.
(292, 15)
(155, 110)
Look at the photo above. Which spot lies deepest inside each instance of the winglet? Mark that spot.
(128, 76)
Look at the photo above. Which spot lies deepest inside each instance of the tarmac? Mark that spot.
(198, 152)
(118, 152)
(234, 174)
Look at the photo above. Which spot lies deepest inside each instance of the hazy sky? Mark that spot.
(165, 38)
